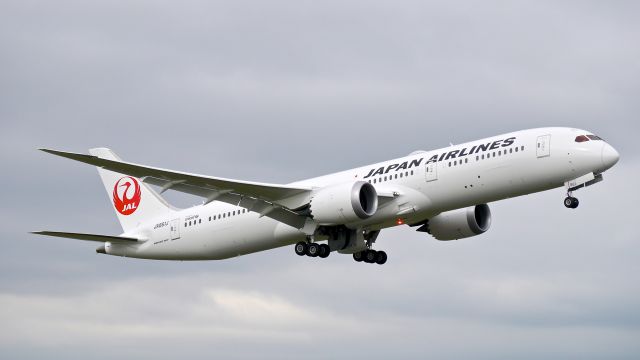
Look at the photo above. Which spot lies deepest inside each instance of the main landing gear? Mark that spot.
(371, 256)
(312, 249)
(571, 202)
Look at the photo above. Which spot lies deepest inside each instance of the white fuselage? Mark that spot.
(425, 184)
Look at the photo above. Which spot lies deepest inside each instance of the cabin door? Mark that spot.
(543, 146)
(175, 229)
(431, 171)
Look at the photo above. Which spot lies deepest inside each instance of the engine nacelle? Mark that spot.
(461, 223)
(344, 203)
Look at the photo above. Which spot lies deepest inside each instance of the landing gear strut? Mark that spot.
(571, 202)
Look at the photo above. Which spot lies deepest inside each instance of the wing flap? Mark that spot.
(89, 237)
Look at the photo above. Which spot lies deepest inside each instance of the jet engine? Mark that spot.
(344, 203)
(460, 223)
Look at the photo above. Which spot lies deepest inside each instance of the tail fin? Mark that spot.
(133, 201)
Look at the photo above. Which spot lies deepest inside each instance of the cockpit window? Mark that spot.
(581, 138)
(594, 137)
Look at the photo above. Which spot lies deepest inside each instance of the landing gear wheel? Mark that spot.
(301, 248)
(313, 250)
(359, 256)
(325, 250)
(568, 202)
(370, 256)
(571, 202)
(381, 257)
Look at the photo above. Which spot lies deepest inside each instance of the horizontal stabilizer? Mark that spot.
(89, 237)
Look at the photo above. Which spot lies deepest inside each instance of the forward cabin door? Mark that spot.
(543, 146)
(431, 171)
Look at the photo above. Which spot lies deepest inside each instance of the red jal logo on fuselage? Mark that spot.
(126, 195)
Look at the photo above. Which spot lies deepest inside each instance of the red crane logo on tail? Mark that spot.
(126, 195)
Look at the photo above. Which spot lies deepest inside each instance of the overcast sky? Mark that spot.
(278, 91)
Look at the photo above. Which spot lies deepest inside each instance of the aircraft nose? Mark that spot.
(609, 156)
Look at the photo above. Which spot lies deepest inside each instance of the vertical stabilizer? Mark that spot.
(134, 201)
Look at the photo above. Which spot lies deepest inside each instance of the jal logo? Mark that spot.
(126, 195)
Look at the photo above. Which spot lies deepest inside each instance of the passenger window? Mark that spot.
(511, 151)
(522, 148)
(449, 163)
(516, 149)
(411, 172)
(477, 157)
(466, 161)
(185, 224)
(385, 178)
(400, 174)
(199, 221)
(234, 213)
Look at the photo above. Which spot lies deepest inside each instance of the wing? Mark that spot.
(89, 237)
(282, 203)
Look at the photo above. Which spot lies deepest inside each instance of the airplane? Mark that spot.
(443, 192)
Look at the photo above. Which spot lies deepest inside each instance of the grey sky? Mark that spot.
(278, 91)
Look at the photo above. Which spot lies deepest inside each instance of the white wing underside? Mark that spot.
(279, 202)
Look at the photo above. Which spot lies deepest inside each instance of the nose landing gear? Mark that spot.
(570, 202)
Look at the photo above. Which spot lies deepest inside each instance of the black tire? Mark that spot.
(325, 250)
(359, 256)
(381, 257)
(370, 256)
(301, 248)
(313, 250)
(568, 202)
(574, 203)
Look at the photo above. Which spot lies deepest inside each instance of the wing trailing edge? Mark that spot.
(272, 200)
